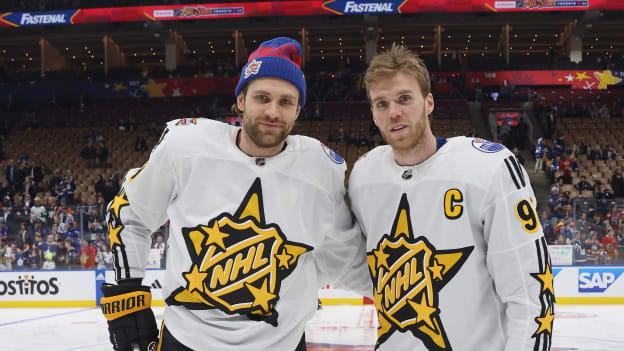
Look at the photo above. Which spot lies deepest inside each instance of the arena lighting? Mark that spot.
(86, 48)
(66, 49)
(12, 59)
(26, 54)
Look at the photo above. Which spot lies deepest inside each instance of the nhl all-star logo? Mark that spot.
(252, 68)
(408, 274)
(238, 262)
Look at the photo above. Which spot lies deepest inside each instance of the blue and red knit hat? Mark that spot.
(276, 58)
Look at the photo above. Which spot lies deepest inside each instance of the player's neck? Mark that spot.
(249, 147)
(417, 154)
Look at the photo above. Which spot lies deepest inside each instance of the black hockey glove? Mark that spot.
(131, 322)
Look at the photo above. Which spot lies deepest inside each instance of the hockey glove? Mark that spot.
(131, 322)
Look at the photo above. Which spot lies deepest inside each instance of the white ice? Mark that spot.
(576, 327)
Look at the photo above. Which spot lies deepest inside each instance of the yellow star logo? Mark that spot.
(215, 236)
(546, 279)
(606, 79)
(113, 235)
(262, 296)
(545, 323)
(382, 258)
(283, 258)
(119, 201)
(154, 89)
(581, 76)
(423, 311)
(436, 270)
(195, 279)
(119, 86)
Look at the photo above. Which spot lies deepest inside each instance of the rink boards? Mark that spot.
(81, 288)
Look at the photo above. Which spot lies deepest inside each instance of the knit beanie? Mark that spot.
(276, 58)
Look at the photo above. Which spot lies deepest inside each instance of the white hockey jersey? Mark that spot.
(455, 250)
(251, 239)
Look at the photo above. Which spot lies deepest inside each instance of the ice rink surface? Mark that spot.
(334, 328)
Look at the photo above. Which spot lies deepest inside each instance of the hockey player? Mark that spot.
(257, 223)
(455, 249)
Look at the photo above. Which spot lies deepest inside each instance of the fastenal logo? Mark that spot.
(28, 19)
(28, 285)
(238, 262)
(359, 7)
(595, 280)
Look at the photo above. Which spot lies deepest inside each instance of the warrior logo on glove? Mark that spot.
(408, 274)
(238, 262)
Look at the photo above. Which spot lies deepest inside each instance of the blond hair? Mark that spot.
(397, 59)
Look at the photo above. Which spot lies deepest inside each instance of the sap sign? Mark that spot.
(597, 280)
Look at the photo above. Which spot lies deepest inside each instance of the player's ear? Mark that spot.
(429, 104)
(240, 101)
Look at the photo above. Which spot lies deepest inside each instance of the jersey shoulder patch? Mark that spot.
(333, 155)
(186, 121)
(486, 146)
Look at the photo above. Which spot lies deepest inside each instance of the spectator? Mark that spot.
(539, 156)
(11, 172)
(566, 167)
(561, 240)
(98, 243)
(86, 255)
(617, 183)
(71, 258)
(58, 227)
(66, 215)
(519, 157)
(597, 225)
(39, 210)
(583, 184)
(28, 188)
(67, 187)
(27, 203)
(594, 153)
(579, 257)
(547, 227)
(554, 202)
(55, 183)
(37, 230)
(102, 155)
(48, 261)
(104, 258)
(50, 245)
(613, 218)
(7, 190)
(89, 153)
(51, 206)
(61, 254)
(34, 258)
(610, 244)
(583, 226)
(21, 258)
(71, 234)
(161, 247)
(10, 225)
(35, 173)
(109, 191)
(604, 197)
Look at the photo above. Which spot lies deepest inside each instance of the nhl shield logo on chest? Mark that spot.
(238, 262)
(408, 274)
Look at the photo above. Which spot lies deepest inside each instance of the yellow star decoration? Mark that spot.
(195, 279)
(283, 259)
(119, 86)
(581, 76)
(154, 89)
(606, 79)
(546, 279)
(262, 296)
(215, 236)
(382, 258)
(119, 201)
(423, 311)
(113, 235)
(545, 322)
(436, 269)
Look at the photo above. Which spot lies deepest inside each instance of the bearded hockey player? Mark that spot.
(455, 249)
(257, 223)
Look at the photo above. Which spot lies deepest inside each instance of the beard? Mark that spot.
(261, 136)
(411, 140)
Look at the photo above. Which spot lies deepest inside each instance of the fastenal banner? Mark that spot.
(209, 11)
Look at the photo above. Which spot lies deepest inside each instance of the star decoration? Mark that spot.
(215, 236)
(262, 296)
(581, 76)
(546, 280)
(606, 79)
(545, 323)
(436, 270)
(382, 258)
(119, 201)
(154, 89)
(569, 77)
(283, 258)
(423, 311)
(119, 86)
(113, 235)
(195, 279)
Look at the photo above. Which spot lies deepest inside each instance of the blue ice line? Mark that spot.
(43, 317)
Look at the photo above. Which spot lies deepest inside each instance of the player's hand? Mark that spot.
(131, 322)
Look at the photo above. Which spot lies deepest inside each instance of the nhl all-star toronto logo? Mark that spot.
(408, 274)
(238, 262)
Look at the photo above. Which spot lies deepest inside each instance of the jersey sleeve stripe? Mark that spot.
(513, 176)
(518, 169)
